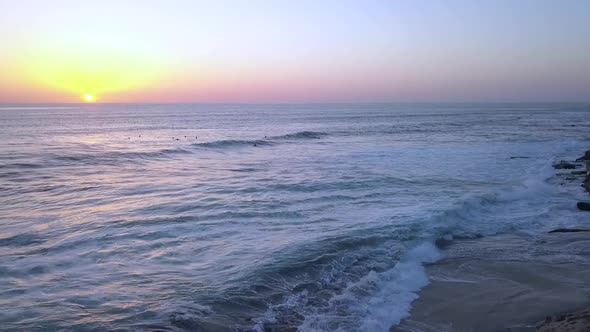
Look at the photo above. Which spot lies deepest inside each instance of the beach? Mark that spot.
(504, 293)
(516, 282)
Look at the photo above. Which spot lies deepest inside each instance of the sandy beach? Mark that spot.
(516, 282)
(504, 292)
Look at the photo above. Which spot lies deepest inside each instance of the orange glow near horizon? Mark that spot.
(99, 70)
(295, 51)
(69, 65)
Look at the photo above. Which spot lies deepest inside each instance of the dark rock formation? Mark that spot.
(585, 157)
(564, 165)
(577, 321)
(584, 206)
(569, 230)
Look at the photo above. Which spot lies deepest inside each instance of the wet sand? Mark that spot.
(504, 283)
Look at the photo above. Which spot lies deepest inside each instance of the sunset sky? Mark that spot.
(294, 51)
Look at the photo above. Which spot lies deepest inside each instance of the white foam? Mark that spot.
(269, 316)
(397, 289)
(378, 300)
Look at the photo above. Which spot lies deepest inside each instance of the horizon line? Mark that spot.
(300, 103)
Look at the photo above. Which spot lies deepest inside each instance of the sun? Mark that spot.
(89, 98)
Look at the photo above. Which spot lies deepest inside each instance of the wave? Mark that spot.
(366, 289)
(360, 280)
(231, 143)
(118, 157)
(301, 135)
(267, 141)
(391, 294)
(24, 239)
(367, 279)
(20, 165)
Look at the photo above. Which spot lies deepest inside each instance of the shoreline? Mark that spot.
(572, 320)
(511, 282)
(502, 290)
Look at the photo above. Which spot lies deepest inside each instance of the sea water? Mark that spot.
(260, 217)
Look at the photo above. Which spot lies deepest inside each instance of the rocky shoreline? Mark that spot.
(579, 320)
(576, 174)
(576, 166)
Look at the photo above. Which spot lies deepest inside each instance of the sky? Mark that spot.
(301, 51)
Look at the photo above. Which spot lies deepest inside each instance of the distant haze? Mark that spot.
(294, 51)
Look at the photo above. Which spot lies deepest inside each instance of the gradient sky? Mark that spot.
(294, 51)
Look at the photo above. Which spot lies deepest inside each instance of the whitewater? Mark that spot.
(219, 217)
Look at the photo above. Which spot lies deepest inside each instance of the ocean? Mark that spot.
(315, 217)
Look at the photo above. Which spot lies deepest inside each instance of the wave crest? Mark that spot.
(302, 135)
(231, 143)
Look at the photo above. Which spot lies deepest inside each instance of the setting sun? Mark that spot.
(89, 98)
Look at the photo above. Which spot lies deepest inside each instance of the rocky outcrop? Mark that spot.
(569, 230)
(586, 183)
(585, 157)
(575, 174)
(584, 206)
(564, 165)
(578, 321)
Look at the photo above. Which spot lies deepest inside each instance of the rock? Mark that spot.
(585, 157)
(577, 321)
(578, 173)
(564, 165)
(586, 184)
(569, 230)
(584, 206)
